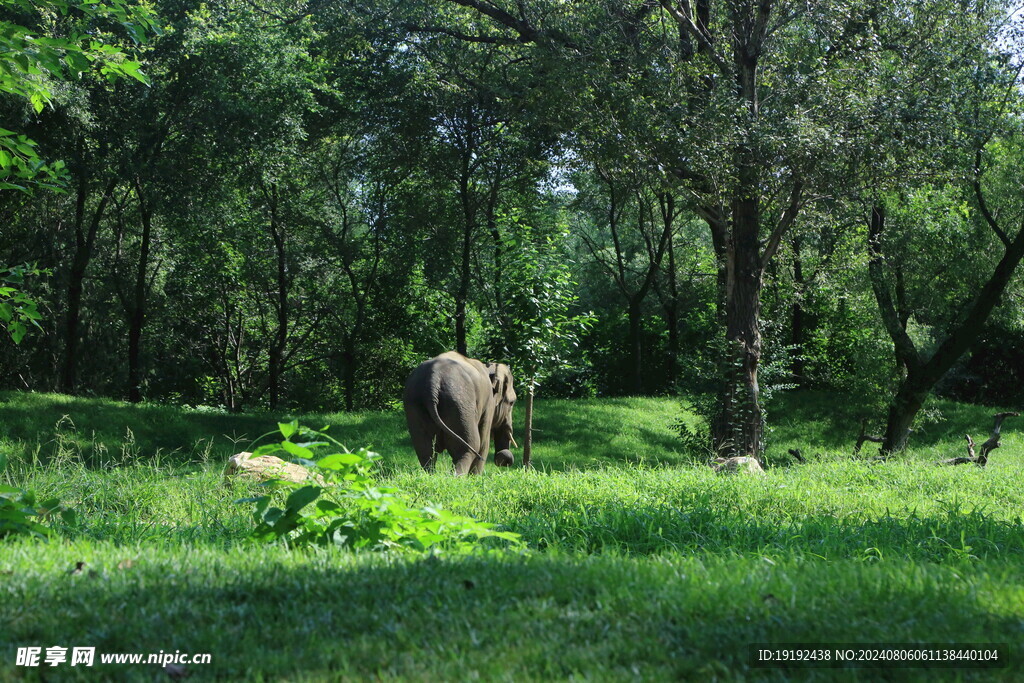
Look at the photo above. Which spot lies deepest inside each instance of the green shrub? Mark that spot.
(347, 508)
(20, 514)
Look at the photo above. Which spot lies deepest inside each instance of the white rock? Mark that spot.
(266, 467)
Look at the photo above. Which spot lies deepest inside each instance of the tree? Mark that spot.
(744, 104)
(537, 325)
(640, 221)
(965, 165)
(922, 368)
(29, 64)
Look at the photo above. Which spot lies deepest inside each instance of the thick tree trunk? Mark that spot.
(738, 429)
(903, 409)
(137, 317)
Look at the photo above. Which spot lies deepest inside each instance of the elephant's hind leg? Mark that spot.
(463, 462)
(423, 443)
(463, 458)
(477, 466)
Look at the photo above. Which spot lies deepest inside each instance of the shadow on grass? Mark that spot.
(567, 434)
(329, 616)
(830, 421)
(101, 431)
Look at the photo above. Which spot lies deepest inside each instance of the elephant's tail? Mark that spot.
(436, 417)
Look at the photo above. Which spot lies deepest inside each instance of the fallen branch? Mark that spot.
(864, 436)
(993, 441)
(986, 448)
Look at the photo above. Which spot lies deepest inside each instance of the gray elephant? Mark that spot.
(459, 404)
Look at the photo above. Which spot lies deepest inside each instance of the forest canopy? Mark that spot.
(299, 202)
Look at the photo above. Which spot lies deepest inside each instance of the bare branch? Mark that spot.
(906, 351)
(785, 221)
(989, 218)
(864, 436)
(993, 443)
(683, 16)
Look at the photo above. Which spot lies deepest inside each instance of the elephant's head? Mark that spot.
(504, 399)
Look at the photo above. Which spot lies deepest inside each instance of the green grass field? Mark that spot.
(641, 564)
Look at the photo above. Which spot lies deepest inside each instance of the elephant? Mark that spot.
(459, 404)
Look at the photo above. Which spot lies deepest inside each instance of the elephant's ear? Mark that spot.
(492, 373)
(508, 393)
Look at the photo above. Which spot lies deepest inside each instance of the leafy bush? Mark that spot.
(17, 309)
(20, 514)
(347, 508)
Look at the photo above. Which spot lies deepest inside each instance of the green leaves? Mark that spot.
(30, 63)
(351, 510)
(542, 325)
(18, 311)
(21, 514)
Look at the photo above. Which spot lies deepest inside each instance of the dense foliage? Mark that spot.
(344, 505)
(304, 201)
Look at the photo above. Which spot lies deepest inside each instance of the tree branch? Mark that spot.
(904, 345)
(785, 221)
(459, 35)
(527, 33)
(684, 18)
(989, 218)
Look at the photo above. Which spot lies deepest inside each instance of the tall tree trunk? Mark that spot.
(85, 240)
(636, 363)
(277, 348)
(492, 224)
(903, 408)
(462, 295)
(137, 317)
(738, 429)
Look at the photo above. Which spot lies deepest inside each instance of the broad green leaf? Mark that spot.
(302, 497)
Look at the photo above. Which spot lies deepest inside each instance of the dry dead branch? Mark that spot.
(993, 443)
(864, 436)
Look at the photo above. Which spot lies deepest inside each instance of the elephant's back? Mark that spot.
(446, 375)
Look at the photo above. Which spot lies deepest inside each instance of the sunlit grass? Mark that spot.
(642, 562)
